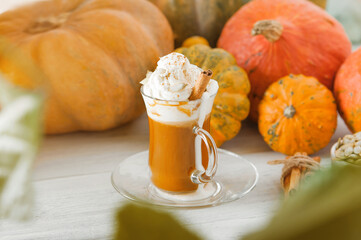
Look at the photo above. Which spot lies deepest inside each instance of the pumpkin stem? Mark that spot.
(270, 29)
(289, 111)
(43, 24)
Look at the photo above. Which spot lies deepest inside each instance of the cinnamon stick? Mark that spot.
(294, 178)
(201, 85)
(295, 168)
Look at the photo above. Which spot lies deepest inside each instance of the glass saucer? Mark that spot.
(235, 178)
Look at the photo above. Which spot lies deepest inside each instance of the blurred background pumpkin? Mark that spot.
(231, 104)
(271, 39)
(205, 18)
(347, 91)
(93, 54)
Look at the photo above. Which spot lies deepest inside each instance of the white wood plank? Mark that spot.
(69, 208)
(87, 153)
(82, 207)
(75, 199)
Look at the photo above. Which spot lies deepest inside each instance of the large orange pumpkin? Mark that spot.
(297, 114)
(271, 39)
(348, 91)
(93, 54)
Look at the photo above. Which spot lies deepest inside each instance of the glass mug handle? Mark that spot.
(199, 176)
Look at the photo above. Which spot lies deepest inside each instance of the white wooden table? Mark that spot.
(75, 199)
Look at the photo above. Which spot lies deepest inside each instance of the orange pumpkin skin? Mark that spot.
(347, 91)
(310, 42)
(297, 114)
(93, 54)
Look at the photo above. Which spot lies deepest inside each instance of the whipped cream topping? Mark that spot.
(174, 79)
(173, 82)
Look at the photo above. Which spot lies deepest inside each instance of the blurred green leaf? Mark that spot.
(328, 206)
(20, 134)
(143, 223)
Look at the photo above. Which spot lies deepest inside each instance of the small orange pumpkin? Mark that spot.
(297, 114)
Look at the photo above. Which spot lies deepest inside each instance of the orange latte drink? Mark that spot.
(170, 164)
(182, 154)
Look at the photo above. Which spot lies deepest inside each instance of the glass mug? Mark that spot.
(182, 153)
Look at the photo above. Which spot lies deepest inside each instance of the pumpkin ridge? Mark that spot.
(201, 63)
(319, 130)
(272, 132)
(240, 112)
(132, 8)
(311, 101)
(56, 14)
(209, 54)
(65, 107)
(79, 6)
(223, 60)
(133, 82)
(35, 53)
(117, 13)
